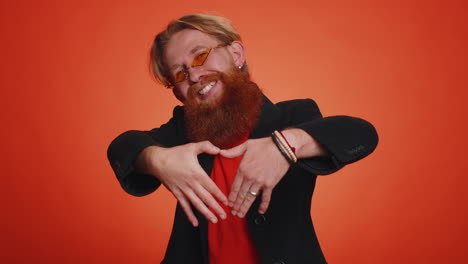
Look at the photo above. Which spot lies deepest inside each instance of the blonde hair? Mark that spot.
(216, 26)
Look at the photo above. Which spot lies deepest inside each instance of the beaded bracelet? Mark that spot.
(286, 146)
(283, 148)
(283, 152)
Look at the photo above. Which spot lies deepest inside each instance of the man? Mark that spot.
(242, 169)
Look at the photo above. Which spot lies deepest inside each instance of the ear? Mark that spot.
(237, 53)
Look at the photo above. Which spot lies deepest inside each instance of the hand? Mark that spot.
(261, 168)
(178, 169)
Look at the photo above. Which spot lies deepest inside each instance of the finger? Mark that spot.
(206, 147)
(208, 199)
(249, 199)
(234, 152)
(184, 203)
(235, 187)
(201, 207)
(266, 197)
(212, 188)
(243, 192)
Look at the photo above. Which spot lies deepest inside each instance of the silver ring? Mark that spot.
(252, 193)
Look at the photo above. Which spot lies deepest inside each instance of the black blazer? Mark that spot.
(285, 233)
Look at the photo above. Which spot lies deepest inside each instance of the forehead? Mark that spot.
(183, 42)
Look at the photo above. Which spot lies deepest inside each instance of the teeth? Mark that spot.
(207, 88)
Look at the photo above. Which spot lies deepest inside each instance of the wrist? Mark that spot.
(284, 147)
(305, 145)
(145, 160)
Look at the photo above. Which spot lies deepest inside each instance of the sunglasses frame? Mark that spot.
(207, 51)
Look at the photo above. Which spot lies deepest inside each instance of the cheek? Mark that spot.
(221, 63)
(180, 93)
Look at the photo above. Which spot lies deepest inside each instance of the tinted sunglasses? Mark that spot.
(199, 60)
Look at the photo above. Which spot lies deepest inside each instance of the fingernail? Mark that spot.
(231, 204)
(223, 216)
(214, 220)
(233, 212)
(240, 215)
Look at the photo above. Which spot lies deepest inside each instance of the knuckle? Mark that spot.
(177, 193)
(250, 198)
(206, 212)
(200, 206)
(190, 185)
(249, 176)
(245, 206)
(269, 184)
(194, 175)
(243, 167)
(261, 181)
(186, 208)
(212, 204)
(210, 201)
(236, 186)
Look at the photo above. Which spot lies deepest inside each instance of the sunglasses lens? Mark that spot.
(179, 77)
(201, 58)
(197, 61)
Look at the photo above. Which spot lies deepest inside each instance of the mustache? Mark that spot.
(196, 87)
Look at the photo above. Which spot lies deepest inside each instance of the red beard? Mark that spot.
(228, 119)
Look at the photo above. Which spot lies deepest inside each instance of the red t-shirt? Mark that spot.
(229, 241)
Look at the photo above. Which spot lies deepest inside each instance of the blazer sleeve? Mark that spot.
(347, 139)
(124, 150)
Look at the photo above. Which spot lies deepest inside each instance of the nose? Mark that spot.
(195, 73)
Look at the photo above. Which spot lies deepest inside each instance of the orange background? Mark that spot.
(74, 75)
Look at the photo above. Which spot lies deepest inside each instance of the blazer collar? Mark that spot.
(269, 120)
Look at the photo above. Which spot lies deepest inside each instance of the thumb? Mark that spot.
(206, 147)
(235, 151)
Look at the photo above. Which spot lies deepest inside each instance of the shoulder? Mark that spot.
(171, 133)
(300, 107)
(295, 102)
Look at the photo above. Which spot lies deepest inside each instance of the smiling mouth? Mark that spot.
(207, 88)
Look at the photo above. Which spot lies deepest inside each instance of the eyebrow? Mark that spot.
(192, 51)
